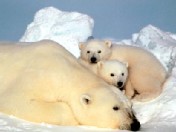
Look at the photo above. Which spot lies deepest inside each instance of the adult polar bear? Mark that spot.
(146, 74)
(42, 82)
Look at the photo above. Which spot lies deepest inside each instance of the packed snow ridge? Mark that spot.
(67, 28)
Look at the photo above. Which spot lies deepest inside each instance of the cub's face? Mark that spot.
(113, 72)
(104, 108)
(95, 50)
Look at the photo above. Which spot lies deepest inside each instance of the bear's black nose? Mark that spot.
(121, 88)
(93, 59)
(135, 125)
(119, 84)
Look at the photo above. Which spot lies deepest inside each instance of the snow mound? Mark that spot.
(160, 43)
(66, 28)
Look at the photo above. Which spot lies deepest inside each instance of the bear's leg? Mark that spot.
(148, 89)
(147, 96)
(129, 90)
(58, 113)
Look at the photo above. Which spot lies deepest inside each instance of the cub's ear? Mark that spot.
(85, 99)
(81, 45)
(108, 43)
(100, 64)
(126, 63)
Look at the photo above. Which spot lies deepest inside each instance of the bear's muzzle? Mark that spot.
(135, 125)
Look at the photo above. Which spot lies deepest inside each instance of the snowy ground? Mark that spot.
(68, 28)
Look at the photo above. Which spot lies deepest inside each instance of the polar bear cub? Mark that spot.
(146, 73)
(113, 72)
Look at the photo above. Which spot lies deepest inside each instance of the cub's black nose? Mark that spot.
(119, 84)
(135, 125)
(122, 88)
(93, 60)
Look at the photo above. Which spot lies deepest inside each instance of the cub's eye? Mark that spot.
(115, 108)
(122, 74)
(99, 51)
(88, 51)
(112, 74)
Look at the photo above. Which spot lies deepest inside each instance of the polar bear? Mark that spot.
(146, 73)
(113, 72)
(43, 82)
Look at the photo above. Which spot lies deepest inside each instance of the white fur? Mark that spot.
(146, 73)
(43, 82)
(114, 72)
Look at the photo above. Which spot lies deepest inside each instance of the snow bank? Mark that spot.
(66, 28)
(161, 44)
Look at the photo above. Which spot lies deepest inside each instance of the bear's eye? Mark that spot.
(115, 108)
(99, 51)
(88, 51)
(122, 74)
(112, 74)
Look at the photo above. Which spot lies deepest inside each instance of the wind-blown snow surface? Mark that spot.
(68, 28)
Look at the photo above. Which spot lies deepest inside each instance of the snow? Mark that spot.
(161, 44)
(68, 28)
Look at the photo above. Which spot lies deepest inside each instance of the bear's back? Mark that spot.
(133, 54)
(138, 58)
(44, 61)
(19, 54)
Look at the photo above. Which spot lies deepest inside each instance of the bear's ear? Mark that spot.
(108, 43)
(100, 64)
(85, 99)
(81, 45)
(128, 104)
(126, 63)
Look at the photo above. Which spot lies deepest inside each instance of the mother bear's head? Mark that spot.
(105, 108)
